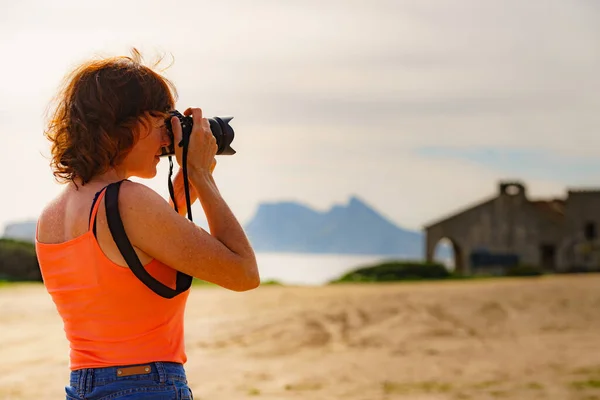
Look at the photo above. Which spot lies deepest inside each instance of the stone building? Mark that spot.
(511, 229)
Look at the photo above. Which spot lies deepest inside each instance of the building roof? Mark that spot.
(459, 213)
(554, 206)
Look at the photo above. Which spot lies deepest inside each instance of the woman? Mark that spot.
(109, 125)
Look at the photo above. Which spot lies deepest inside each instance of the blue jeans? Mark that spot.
(151, 381)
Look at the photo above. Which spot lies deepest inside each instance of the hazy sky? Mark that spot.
(418, 107)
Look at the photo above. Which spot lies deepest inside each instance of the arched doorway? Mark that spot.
(448, 252)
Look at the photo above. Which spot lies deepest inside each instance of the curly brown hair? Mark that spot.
(97, 113)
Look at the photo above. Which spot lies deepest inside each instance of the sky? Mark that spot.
(418, 107)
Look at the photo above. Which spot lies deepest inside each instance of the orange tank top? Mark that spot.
(110, 317)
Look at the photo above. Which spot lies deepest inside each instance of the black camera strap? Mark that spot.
(117, 230)
(185, 141)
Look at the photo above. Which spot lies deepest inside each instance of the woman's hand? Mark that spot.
(202, 146)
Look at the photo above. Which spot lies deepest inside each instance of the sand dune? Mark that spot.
(489, 339)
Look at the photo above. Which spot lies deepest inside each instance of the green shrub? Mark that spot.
(270, 282)
(396, 271)
(18, 261)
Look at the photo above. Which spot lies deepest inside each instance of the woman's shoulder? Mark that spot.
(67, 214)
(135, 194)
(50, 224)
(141, 208)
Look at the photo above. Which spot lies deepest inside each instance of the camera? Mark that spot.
(219, 127)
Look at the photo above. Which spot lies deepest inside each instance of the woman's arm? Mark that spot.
(224, 257)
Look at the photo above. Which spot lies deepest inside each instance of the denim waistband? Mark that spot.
(159, 371)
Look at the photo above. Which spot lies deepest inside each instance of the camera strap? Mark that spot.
(185, 141)
(117, 230)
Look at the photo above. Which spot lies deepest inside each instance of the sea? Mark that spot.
(311, 269)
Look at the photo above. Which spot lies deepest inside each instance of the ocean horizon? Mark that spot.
(311, 268)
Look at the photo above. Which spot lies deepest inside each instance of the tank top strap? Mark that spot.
(94, 209)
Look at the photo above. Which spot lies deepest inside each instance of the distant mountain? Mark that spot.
(354, 228)
(20, 230)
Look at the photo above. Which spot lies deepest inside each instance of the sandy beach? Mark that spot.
(488, 339)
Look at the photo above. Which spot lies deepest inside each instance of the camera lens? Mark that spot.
(219, 126)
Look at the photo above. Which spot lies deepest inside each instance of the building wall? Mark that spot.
(506, 225)
(580, 250)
